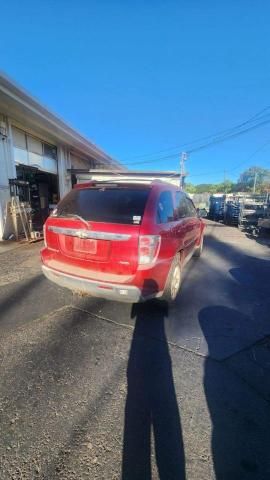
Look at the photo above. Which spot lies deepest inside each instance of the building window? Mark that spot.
(19, 138)
(34, 145)
(29, 150)
(49, 151)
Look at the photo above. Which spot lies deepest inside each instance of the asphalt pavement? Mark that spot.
(96, 389)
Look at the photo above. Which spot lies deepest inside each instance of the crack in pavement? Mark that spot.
(179, 347)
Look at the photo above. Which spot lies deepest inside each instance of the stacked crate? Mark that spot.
(231, 213)
(216, 207)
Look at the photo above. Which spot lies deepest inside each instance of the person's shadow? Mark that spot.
(151, 402)
(240, 415)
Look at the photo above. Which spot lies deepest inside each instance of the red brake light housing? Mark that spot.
(149, 246)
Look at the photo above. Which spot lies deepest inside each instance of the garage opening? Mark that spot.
(42, 193)
(35, 189)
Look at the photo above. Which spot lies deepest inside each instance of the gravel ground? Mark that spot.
(93, 389)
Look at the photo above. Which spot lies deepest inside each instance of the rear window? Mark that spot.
(114, 205)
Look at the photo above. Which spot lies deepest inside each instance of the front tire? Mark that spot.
(173, 282)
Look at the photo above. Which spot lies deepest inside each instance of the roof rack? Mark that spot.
(130, 173)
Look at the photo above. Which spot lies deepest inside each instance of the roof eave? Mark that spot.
(61, 129)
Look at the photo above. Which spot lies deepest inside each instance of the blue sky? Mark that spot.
(137, 77)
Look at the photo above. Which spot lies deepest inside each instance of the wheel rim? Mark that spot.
(175, 284)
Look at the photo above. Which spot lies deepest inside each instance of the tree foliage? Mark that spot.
(245, 183)
(254, 175)
(190, 188)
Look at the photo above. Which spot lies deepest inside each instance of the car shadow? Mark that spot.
(151, 404)
(240, 415)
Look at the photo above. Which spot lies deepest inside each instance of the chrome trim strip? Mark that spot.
(74, 232)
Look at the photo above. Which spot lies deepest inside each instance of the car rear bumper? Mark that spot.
(110, 291)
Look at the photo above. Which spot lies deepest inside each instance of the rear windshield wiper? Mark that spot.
(73, 215)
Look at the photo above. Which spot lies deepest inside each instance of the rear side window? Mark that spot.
(181, 210)
(184, 206)
(113, 205)
(165, 211)
(190, 208)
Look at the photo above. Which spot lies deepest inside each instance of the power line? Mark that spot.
(228, 137)
(251, 156)
(174, 155)
(226, 131)
(206, 137)
(234, 168)
(207, 145)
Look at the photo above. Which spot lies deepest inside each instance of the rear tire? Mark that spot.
(173, 282)
(198, 250)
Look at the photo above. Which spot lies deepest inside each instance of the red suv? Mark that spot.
(122, 241)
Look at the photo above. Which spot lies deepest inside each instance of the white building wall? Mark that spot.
(7, 170)
(79, 162)
(63, 164)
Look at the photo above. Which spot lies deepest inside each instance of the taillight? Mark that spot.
(50, 238)
(148, 249)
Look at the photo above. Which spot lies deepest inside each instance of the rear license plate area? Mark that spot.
(88, 245)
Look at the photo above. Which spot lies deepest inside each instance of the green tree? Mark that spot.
(244, 184)
(253, 175)
(190, 188)
(206, 188)
(225, 187)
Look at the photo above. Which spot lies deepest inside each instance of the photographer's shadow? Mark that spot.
(151, 401)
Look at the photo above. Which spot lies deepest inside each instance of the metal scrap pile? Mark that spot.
(250, 212)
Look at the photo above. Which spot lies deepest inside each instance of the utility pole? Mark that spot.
(183, 159)
(255, 181)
